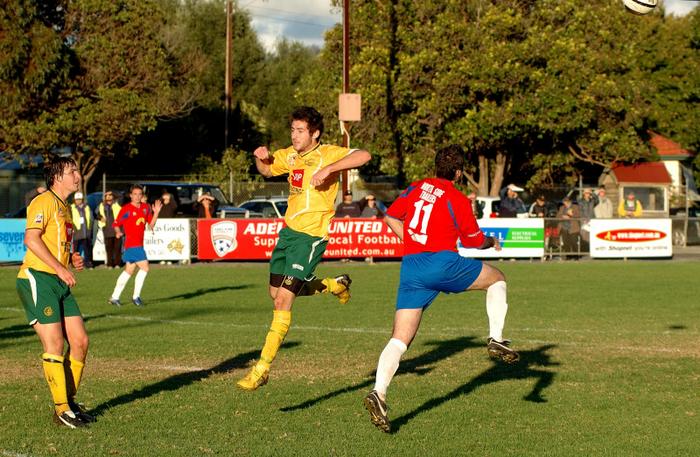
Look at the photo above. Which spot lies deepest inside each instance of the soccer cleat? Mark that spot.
(137, 301)
(68, 419)
(343, 291)
(81, 412)
(500, 350)
(115, 302)
(377, 411)
(257, 377)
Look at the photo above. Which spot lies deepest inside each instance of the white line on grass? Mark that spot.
(7, 453)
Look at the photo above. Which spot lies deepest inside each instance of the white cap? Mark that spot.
(78, 196)
(515, 188)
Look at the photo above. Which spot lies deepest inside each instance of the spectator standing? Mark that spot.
(169, 209)
(107, 212)
(569, 224)
(206, 206)
(630, 206)
(538, 207)
(348, 207)
(371, 210)
(605, 208)
(511, 204)
(587, 209)
(82, 228)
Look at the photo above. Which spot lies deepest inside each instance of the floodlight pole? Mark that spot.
(346, 83)
(228, 82)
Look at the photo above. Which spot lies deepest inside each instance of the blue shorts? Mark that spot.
(425, 275)
(133, 255)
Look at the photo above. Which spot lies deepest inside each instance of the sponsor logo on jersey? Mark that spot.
(223, 237)
(39, 218)
(296, 178)
(296, 266)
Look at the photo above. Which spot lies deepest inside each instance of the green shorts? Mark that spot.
(297, 254)
(46, 299)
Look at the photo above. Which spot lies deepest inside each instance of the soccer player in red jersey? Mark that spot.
(430, 216)
(131, 223)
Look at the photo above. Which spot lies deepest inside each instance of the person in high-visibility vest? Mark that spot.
(82, 228)
(107, 212)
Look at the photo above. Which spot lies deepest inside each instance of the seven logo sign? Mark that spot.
(223, 237)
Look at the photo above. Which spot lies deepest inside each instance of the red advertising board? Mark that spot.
(254, 239)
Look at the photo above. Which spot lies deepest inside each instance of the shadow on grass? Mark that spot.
(178, 381)
(526, 368)
(420, 365)
(199, 292)
(24, 330)
(677, 327)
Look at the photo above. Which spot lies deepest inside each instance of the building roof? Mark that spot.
(644, 172)
(667, 148)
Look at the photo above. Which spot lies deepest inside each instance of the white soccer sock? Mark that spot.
(138, 283)
(388, 364)
(121, 283)
(496, 308)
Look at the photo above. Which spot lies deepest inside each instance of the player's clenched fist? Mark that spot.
(77, 260)
(262, 153)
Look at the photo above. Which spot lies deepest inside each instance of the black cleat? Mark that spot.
(377, 411)
(81, 412)
(115, 302)
(500, 350)
(137, 301)
(68, 419)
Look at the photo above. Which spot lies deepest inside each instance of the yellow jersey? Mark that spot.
(310, 209)
(48, 213)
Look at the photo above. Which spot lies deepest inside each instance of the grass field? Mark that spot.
(610, 366)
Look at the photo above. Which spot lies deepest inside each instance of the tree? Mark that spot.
(99, 87)
(556, 84)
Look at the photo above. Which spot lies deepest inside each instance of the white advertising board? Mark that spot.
(170, 240)
(518, 238)
(626, 238)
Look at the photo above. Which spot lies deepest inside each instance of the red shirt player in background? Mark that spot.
(430, 216)
(131, 223)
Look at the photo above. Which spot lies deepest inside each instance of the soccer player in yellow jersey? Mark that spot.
(313, 170)
(44, 283)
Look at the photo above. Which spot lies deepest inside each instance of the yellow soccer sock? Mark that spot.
(74, 372)
(56, 378)
(275, 336)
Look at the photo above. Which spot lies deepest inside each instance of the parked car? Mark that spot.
(186, 194)
(271, 207)
(489, 206)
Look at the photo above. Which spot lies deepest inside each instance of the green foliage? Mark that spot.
(234, 167)
(82, 81)
(559, 83)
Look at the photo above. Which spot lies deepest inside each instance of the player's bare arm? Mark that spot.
(395, 225)
(353, 160)
(157, 206)
(263, 160)
(32, 238)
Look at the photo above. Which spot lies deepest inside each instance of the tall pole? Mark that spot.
(228, 83)
(346, 81)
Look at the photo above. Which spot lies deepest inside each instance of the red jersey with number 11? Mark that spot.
(435, 214)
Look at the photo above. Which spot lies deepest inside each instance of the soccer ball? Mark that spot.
(640, 6)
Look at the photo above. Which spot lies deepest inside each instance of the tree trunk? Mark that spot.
(483, 188)
(498, 173)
